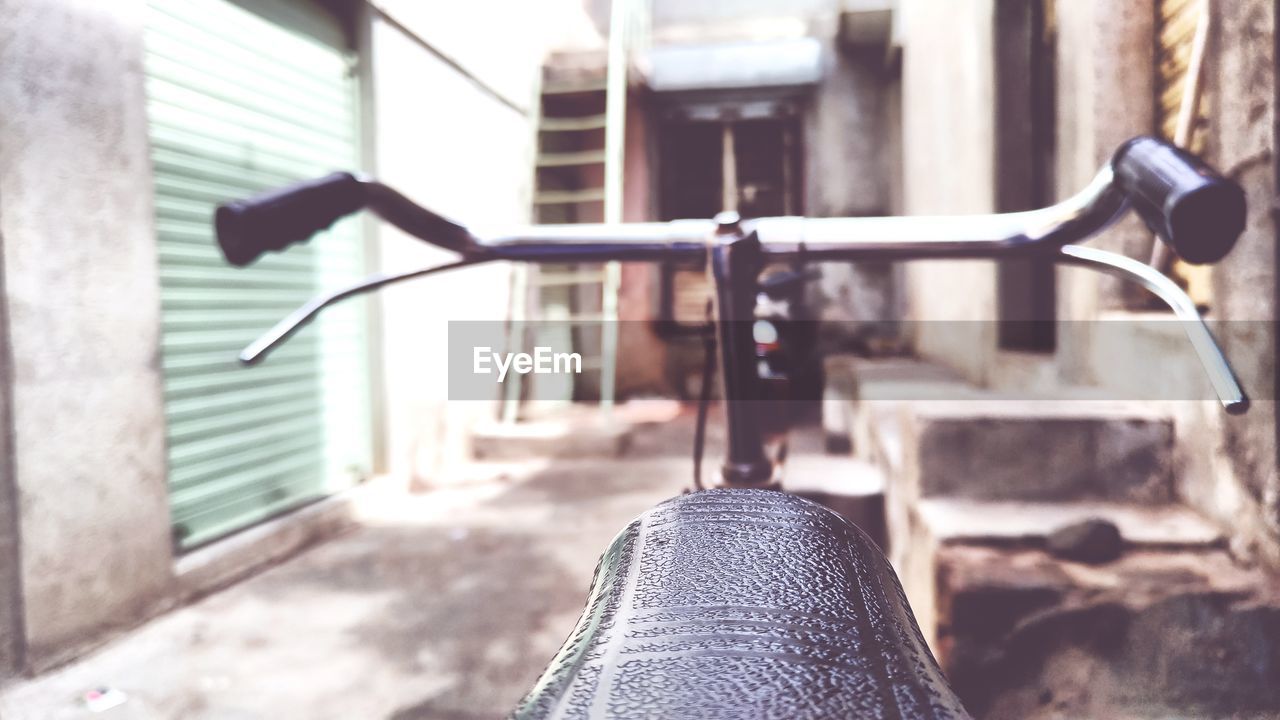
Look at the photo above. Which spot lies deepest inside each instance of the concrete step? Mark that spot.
(550, 438)
(984, 496)
(1038, 451)
(853, 488)
(569, 430)
(857, 389)
(935, 435)
(1024, 524)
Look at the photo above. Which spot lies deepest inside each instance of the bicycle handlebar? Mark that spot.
(247, 229)
(1182, 199)
(1199, 213)
(276, 219)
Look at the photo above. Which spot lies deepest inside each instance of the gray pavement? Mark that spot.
(445, 604)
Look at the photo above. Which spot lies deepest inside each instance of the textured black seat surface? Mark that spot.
(743, 604)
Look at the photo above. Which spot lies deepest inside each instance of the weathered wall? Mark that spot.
(12, 639)
(1104, 82)
(83, 314)
(1105, 57)
(1104, 61)
(642, 356)
(91, 544)
(948, 156)
(1245, 492)
(461, 143)
(1227, 465)
(846, 164)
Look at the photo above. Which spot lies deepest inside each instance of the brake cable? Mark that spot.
(704, 397)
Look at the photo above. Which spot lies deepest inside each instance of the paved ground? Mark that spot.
(442, 605)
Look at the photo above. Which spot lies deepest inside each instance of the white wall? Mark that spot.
(463, 147)
(500, 42)
(948, 95)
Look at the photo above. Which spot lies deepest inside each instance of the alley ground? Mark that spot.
(445, 604)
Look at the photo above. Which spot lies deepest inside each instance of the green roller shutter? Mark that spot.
(239, 101)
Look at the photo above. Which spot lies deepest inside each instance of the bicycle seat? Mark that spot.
(743, 604)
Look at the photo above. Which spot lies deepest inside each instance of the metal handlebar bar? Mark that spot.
(1171, 190)
(826, 239)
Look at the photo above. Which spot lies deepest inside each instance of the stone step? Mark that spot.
(919, 534)
(1046, 555)
(1155, 634)
(857, 389)
(1012, 523)
(1018, 628)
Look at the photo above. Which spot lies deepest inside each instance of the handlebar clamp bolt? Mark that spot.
(728, 223)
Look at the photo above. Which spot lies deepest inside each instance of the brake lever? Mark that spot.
(256, 351)
(1215, 363)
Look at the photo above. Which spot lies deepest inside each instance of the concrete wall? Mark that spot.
(83, 315)
(1104, 84)
(1104, 80)
(463, 144)
(845, 157)
(85, 546)
(1104, 61)
(12, 637)
(1244, 490)
(948, 158)
(847, 171)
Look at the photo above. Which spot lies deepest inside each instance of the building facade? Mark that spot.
(1109, 67)
(134, 456)
(133, 448)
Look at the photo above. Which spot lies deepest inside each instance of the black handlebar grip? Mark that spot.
(1187, 203)
(273, 220)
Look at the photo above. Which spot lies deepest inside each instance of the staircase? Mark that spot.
(569, 306)
(579, 178)
(1046, 552)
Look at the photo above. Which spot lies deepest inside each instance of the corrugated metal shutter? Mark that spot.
(237, 103)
